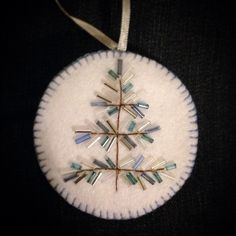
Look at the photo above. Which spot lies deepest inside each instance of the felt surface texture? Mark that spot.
(66, 103)
(193, 39)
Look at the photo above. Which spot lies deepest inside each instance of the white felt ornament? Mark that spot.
(87, 170)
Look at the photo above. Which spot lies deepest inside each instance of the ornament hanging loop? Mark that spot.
(125, 21)
(99, 35)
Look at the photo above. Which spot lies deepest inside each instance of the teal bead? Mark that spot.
(158, 177)
(170, 166)
(126, 88)
(91, 177)
(75, 166)
(131, 178)
(113, 74)
(112, 111)
(131, 126)
(110, 162)
(147, 138)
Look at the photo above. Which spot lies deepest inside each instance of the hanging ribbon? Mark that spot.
(124, 30)
(99, 35)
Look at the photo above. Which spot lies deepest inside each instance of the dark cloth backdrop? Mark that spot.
(194, 39)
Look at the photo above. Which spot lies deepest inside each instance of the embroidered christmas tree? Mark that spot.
(134, 170)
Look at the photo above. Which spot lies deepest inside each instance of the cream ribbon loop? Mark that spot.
(124, 30)
(99, 35)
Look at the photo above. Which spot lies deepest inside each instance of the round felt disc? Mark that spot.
(66, 106)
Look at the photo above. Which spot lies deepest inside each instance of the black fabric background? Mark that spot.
(193, 39)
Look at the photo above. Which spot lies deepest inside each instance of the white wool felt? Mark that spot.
(66, 104)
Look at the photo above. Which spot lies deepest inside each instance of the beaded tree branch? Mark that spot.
(123, 99)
